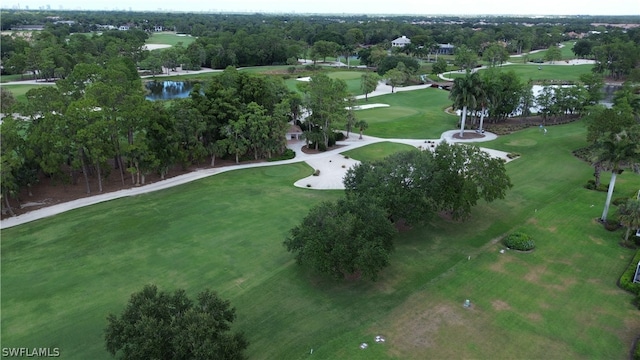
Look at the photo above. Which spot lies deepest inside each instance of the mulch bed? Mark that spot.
(468, 135)
(307, 150)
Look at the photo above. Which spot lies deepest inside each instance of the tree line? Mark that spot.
(251, 40)
(97, 121)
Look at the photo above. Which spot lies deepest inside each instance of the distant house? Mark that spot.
(401, 41)
(123, 27)
(27, 28)
(294, 133)
(445, 49)
(158, 28)
(66, 22)
(106, 27)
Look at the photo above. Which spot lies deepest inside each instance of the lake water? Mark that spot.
(167, 90)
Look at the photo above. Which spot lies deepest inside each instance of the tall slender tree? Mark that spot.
(463, 93)
(618, 151)
(326, 102)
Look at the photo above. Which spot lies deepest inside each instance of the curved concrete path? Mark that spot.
(329, 163)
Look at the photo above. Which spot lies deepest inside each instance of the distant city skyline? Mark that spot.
(413, 7)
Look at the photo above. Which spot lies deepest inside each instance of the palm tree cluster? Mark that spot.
(469, 92)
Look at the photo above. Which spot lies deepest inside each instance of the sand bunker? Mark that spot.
(369, 106)
(155, 46)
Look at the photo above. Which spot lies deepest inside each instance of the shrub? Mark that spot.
(339, 136)
(626, 280)
(344, 166)
(591, 185)
(317, 172)
(286, 155)
(513, 155)
(346, 156)
(618, 201)
(519, 241)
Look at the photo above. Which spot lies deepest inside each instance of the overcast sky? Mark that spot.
(422, 7)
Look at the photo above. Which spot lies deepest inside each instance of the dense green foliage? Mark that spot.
(97, 119)
(344, 238)
(262, 39)
(160, 325)
(519, 241)
(414, 185)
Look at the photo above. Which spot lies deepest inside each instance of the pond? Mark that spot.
(167, 90)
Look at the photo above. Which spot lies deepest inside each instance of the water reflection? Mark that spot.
(167, 90)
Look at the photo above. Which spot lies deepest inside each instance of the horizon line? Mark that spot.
(259, 12)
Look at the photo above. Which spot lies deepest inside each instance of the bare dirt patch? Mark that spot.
(534, 317)
(535, 274)
(417, 329)
(500, 305)
(498, 266)
(532, 220)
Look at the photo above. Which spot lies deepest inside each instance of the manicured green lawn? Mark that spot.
(170, 38)
(62, 275)
(351, 78)
(412, 114)
(550, 72)
(377, 151)
(20, 91)
(566, 53)
(16, 77)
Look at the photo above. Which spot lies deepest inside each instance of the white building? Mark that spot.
(401, 41)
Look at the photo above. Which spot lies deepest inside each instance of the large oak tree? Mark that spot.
(161, 325)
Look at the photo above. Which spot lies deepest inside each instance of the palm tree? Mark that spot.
(616, 152)
(482, 99)
(362, 126)
(629, 215)
(463, 93)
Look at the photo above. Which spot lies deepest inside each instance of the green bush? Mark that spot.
(591, 185)
(288, 154)
(519, 241)
(317, 172)
(626, 280)
(513, 155)
(618, 201)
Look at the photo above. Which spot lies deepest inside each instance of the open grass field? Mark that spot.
(15, 77)
(351, 77)
(62, 275)
(377, 151)
(566, 53)
(550, 72)
(413, 115)
(169, 38)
